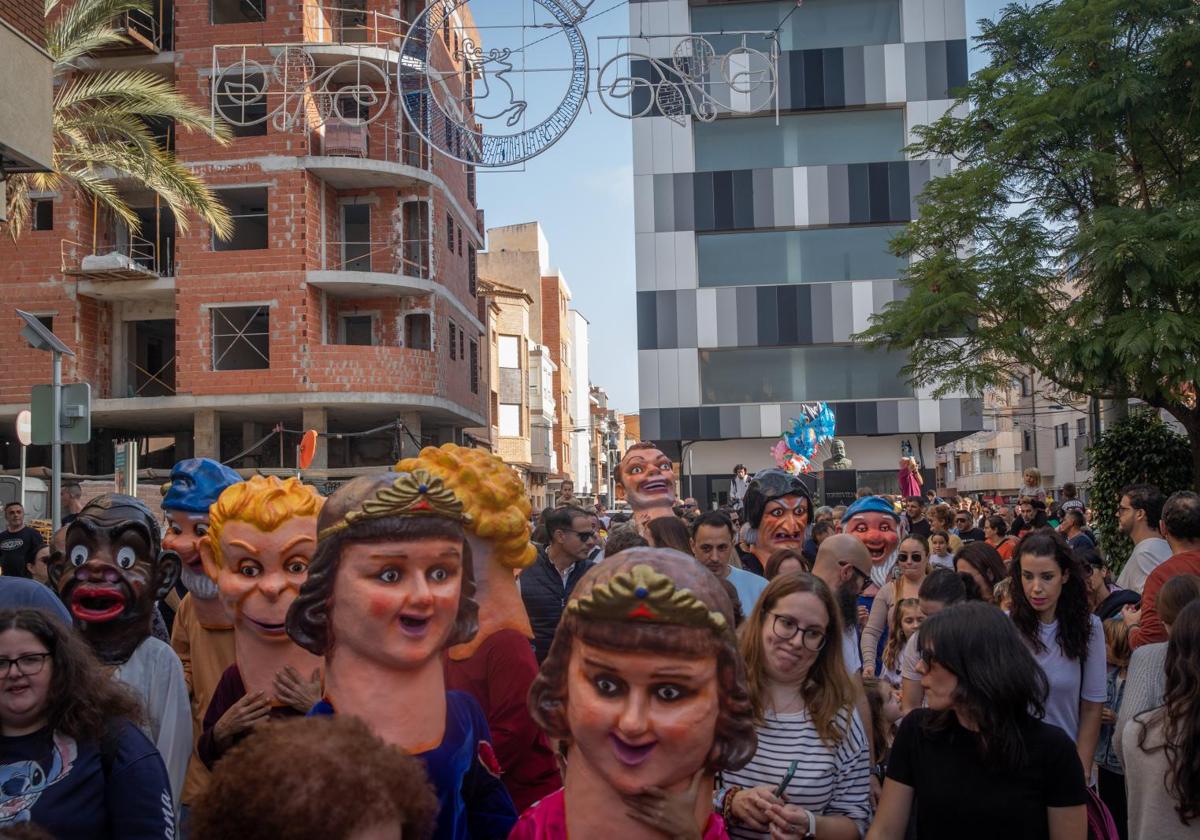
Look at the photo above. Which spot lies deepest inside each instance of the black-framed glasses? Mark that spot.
(28, 665)
(786, 628)
(904, 557)
(864, 580)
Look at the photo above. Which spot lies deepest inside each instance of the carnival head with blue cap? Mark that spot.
(195, 485)
(779, 506)
(874, 521)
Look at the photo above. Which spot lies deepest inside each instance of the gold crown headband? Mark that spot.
(416, 493)
(642, 594)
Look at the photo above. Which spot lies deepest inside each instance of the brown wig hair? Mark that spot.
(896, 638)
(1179, 715)
(669, 532)
(317, 778)
(82, 698)
(1177, 593)
(776, 560)
(735, 741)
(827, 690)
(308, 619)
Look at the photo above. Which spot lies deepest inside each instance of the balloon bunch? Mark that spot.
(801, 445)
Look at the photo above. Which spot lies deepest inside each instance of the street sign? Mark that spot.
(308, 449)
(75, 418)
(24, 427)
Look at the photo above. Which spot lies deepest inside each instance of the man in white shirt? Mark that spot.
(1138, 513)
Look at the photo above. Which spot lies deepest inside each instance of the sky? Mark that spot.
(581, 190)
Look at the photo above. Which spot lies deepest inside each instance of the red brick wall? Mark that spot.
(25, 16)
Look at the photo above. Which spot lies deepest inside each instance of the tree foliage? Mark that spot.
(1138, 449)
(1067, 237)
(99, 130)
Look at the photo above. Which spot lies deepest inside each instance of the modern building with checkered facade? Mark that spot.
(762, 242)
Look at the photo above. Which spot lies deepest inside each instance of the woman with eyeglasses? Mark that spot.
(1050, 610)
(978, 762)
(912, 565)
(810, 775)
(72, 761)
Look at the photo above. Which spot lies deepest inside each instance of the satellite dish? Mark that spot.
(25, 427)
(308, 448)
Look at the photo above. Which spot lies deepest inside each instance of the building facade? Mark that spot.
(581, 408)
(345, 299)
(761, 245)
(26, 141)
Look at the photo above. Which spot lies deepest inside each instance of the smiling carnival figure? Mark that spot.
(389, 590)
(874, 522)
(645, 688)
(646, 479)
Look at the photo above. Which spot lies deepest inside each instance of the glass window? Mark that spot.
(813, 139)
(510, 420)
(815, 24)
(798, 256)
(509, 351)
(801, 374)
(241, 338)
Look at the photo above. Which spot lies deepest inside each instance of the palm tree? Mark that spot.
(98, 126)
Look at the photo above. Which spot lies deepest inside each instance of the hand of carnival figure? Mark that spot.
(242, 716)
(1131, 616)
(674, 814)
(752, 807)
(788, 821)
(295, 691)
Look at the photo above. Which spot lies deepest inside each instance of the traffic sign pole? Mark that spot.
(24, 432)
(56, 447)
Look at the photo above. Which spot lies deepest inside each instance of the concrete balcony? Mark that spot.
(132, 270)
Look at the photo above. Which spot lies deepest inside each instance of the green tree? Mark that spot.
(99, 132)
(1138, 449)
(1067, 238)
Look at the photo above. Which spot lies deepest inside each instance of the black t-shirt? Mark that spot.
(921, 527)
(970, 535)
(958, 794)
(68, 792)
(17, 550)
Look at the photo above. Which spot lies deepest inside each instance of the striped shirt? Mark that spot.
(829, 780)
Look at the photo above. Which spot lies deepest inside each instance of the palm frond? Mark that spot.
(103, 191)
(86, 25)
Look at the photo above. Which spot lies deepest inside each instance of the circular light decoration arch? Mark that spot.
(439, 101)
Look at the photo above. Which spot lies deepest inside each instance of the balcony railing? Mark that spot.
(143, 29)
(330, 23)
(377, 140)
(134, 259)
(406, 258)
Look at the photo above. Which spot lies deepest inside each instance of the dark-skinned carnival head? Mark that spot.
(111, 572)
(779, 506)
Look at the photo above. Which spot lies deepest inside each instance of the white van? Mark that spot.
(37, 495)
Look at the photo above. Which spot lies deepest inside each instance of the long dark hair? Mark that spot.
(1180, 714)
(1072, 611)
(983, 558)
(82, 696)
(1000, 685)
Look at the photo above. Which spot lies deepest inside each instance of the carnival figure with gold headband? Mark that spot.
(390, 588)
(645, 688)
(497, 666)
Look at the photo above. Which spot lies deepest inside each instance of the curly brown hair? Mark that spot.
(82, 698)
(735, 741)
(318, 778)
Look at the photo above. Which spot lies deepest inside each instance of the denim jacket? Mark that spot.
(1106, 754)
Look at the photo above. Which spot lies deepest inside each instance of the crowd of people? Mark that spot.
(420, 654)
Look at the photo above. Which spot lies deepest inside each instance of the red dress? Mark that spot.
(547, 820)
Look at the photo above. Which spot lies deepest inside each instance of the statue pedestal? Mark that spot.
(840, 487)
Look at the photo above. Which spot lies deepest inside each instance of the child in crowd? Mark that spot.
(1033, 485)
(906, 618)
(1002, 594)
(884, 701)
(940, 553)
(1112, 774)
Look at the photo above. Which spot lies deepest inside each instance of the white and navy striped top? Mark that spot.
(830, 780)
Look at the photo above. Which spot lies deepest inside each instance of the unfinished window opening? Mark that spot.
(238, 11)
(356, 237)
(417, 332)
(450, 232)
(150, 361)
(248, 207)
(241, 100)
(46, 321)
(358, 330)
(43, 214)
(472, 271)
(416, 239)
(474, 347)
(241, 338)
(460, 240)
(453, 341)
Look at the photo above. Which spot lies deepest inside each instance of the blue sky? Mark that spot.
(581, 190)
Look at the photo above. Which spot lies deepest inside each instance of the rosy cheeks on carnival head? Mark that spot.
(184, 531)
(641, 719)
(107, 574)
(784, 521)
(648, 478)
(261, 573)
(396, 602)
(878, 533)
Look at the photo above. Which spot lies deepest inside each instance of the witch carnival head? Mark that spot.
(111, 572)
(779, 506)
(391, 555)
(643, 612)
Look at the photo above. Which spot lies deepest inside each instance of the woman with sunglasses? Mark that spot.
(912, 565)
(978, 762)
(71, 759)
(810, 775)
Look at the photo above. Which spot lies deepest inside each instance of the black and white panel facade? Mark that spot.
(762, 243)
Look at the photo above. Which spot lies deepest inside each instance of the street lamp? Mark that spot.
(40, 338)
